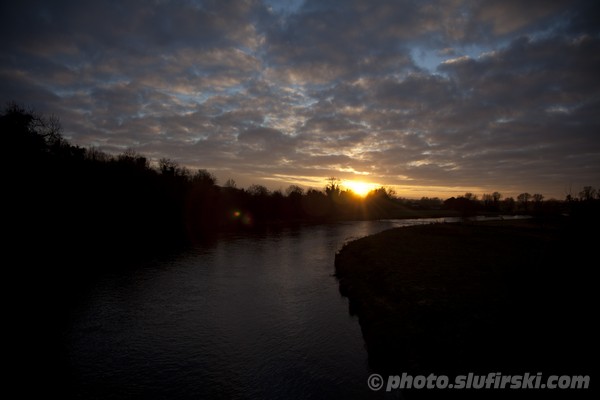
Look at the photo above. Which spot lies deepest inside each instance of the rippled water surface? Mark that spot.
(246, 317)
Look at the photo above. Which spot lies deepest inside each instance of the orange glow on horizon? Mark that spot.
(359, 188)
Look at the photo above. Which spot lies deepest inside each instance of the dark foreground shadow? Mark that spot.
(455, 299)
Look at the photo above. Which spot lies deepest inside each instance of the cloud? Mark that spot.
(503, 95)
(503, 17)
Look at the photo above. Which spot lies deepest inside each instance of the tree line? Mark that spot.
(61, 195)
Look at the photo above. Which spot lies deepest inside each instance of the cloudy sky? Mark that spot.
(429, 97)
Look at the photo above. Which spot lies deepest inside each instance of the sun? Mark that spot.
(358, 187)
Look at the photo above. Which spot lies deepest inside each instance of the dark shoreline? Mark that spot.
(510, 296)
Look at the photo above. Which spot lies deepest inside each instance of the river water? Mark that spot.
(257, 316)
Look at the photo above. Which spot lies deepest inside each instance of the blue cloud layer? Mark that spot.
(444, 95)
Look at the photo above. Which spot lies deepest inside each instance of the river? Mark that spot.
(257, 316)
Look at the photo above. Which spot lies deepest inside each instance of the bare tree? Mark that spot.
(587, 194)
(294, 190)
(524, 198)
(205, 178)
(167, 166)
(508, 204)
(496, 197)
(257, 190)
(537, 198)
(132, 157)
(333, 187)
(94, 154)
(487, 199)
(470, 196)
(230, 184)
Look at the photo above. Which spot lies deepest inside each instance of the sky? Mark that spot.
(430, 98)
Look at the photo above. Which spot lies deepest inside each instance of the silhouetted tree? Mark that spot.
(168, 167)
(430, 203)
(258, 190)
(230, 183)
(491, 202)
(95, 155)
(380, 193)
(204, 178)
(51, 183)
(496, 197)
(470, 196)
(508, 205)
(488, 201)
(294, 191)
(587, 194)
(133, 158)
(391, 192)
(537, 199)
(293, 205)
(315, 204)
(332, 189)
(466, 205)
(523, 200)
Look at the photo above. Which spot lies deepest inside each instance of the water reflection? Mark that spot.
(246, 317)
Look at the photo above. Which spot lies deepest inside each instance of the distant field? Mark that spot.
(497, 296)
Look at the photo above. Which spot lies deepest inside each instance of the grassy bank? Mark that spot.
(510, 296)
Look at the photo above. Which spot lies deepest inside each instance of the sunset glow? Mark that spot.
(427, 98)
(358, 187)
(277, 198)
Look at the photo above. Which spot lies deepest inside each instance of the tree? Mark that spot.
(315, 204)
(508, 205)
(333, 187)
(168, 167)
(294, 191)
(204, 178)
(28, 134)
(523, 199)
(537, 201)
(429, 203)
(537, 198)
(496, 197)
(50, 129)
(132, 157)
(487, 199)
(587, 194)
(391, 192)
(470, 196)
(230, 184)
(93, 154)
(380, 193)
(257, 190)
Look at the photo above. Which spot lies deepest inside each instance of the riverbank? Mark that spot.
(510, 296)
